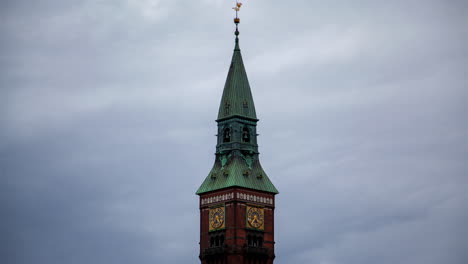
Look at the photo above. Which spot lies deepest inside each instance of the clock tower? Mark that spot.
(237, 199)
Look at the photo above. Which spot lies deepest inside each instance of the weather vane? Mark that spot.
(236, 19)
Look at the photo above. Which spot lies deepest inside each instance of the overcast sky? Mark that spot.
(107, 112)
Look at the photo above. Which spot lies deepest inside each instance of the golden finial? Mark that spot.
(237, 9)
(237, 19)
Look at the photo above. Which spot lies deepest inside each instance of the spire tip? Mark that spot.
(237, 19)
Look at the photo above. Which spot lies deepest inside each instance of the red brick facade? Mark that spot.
(237, 244)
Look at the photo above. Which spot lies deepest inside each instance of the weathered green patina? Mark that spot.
(237, 98)
(237, 173)
(237, 163)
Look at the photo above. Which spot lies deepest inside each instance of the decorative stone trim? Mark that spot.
(219, 198)
(254, 198)
(238, 195)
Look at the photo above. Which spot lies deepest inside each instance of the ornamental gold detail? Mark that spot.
(217, 218)
(255, 217)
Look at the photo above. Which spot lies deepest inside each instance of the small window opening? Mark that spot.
(217, 240)
(227, 135)
(254, 241)
(245, 135)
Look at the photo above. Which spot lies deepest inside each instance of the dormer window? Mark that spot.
(245, 135)
(227, 135)
(227, 108)
(246, 107)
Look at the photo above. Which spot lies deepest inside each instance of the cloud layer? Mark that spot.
(106, 121)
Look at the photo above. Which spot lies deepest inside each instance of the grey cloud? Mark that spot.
(107, 118)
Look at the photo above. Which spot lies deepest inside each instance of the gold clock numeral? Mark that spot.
(255, 218)
(216, 218)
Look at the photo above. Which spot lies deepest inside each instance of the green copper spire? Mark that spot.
(237, 98)
(237, 163)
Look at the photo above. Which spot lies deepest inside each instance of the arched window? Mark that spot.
(227, 135)
(245, 135)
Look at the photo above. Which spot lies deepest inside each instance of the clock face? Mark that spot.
(255, 217)
(216, 218)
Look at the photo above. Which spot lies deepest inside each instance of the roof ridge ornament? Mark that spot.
(237, 19)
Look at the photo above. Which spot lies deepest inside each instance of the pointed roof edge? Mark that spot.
(235, 186)
(237, 116)
(237, 99)
(233, 175)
